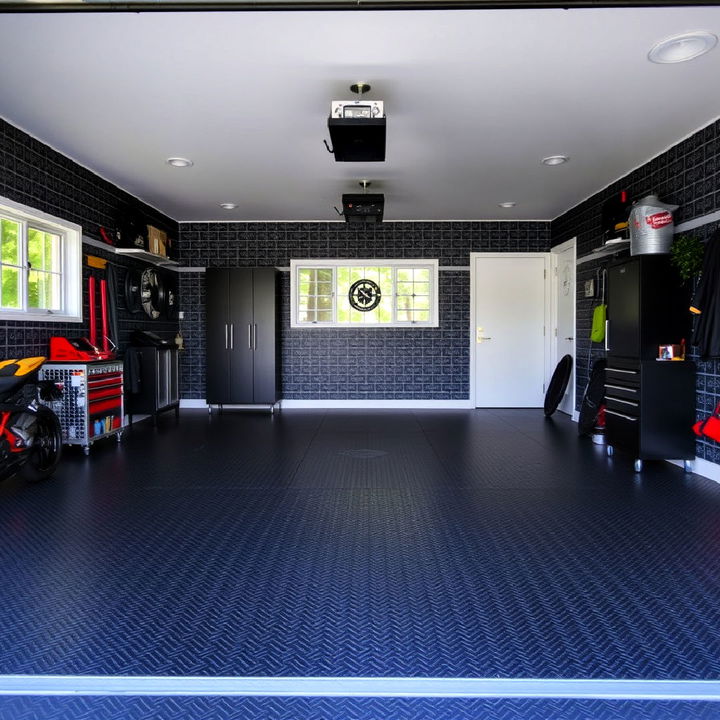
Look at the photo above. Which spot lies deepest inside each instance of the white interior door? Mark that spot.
(565, 308)
(509, 314)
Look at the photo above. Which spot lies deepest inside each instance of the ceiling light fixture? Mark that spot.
(680, 48)
(228, 206)
(555, 159)
(179, 162)
(507, 204)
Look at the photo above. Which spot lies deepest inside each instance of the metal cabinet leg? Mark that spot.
(638, 465)
(688, 466)
(610, 450)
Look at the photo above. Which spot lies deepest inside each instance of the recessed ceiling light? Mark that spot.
(680, 48)
(555, 159)
(507, 204)
(179, 162)
(228, 206)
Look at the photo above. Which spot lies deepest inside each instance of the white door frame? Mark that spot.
(473, 302)
(555, 251)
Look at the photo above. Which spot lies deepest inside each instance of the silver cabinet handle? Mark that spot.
(254, 337)
(620, 387)
(232, 336)
(627, 417)
(620, 370)
(249, 336)
(226, 336)
(624, 402)
(607, 335)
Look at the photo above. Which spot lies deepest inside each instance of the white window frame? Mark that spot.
(334, 264)
(71, 263)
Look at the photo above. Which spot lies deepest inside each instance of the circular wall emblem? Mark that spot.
(364, 295)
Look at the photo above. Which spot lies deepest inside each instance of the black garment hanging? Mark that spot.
(706, 302)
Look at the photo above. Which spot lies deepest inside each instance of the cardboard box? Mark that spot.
(157, 241)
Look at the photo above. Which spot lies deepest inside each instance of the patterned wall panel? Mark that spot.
(688, 174)
(35, 175)
(389, 363)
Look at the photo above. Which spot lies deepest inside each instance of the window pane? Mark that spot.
(421, 288)
(422, 316)
(324, 303)
(404, 274)
(323, 288)
(325, 275)
(422, 302)
(324, 315)
(421, 275)
(304, 316)
(11, 296)
(36, 246)
(9, 230)
(36, 290)
(404, 315)
(404, 288)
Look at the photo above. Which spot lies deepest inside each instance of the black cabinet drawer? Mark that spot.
(622, 429)
(625, 392)
(622, 375)
(624, 407)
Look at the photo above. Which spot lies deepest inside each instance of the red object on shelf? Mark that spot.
(79, 350)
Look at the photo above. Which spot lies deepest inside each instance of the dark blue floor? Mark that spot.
(149, 708)
(453, 544)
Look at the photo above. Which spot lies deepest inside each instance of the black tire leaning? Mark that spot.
(44, 456)
(558, 384)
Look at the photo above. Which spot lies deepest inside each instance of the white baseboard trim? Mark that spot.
(193, 403)
(164, 686)
(377, 404)
(702, 467)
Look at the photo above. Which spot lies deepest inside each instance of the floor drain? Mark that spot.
(365, 454)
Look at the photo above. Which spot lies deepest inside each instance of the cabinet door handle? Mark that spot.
(624, 402)
(226, 336)
(620, 370)
(250, 347)
(607, 335)
(627, 417)
(232, 336)
(254, 337)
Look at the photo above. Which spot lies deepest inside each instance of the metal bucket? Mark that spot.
(651, 226)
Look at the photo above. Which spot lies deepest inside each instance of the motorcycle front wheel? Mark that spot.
(44, 455)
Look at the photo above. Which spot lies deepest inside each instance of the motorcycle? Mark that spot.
(30, 432)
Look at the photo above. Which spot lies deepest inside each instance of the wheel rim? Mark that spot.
(48, 443)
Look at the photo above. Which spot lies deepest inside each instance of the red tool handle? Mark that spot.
(91, 311)
(104, 309)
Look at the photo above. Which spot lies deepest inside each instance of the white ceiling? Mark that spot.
(474, 99)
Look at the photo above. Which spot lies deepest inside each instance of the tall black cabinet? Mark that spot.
(650, 404)
(242, 348)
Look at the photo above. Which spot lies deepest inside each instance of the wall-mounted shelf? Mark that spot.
(136, 253)
(604, 251)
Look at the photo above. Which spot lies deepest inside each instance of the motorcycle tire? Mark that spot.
(44, 456)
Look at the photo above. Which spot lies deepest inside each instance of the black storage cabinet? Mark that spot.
(158, 388)
(242, 348)
(650, 404)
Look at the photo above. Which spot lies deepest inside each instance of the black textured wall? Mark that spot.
(688, 175)
(350, 363)
(37, 176)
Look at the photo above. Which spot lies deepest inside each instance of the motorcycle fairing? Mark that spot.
(13, 372)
